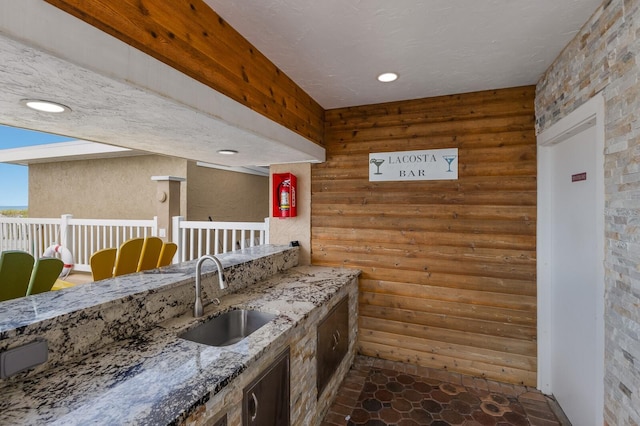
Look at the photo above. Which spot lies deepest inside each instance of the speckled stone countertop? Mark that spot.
(51, 307)
(157, 378)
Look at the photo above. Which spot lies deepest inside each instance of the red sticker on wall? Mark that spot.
(578, 177)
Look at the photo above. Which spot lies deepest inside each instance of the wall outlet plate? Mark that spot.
(15, 360)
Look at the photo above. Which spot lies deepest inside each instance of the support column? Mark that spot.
(167, 203)
(283, 231)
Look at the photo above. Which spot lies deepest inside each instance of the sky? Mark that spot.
(14, 187)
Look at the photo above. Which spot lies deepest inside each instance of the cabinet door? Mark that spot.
(266, 399)
(222, 421)
(333, 342)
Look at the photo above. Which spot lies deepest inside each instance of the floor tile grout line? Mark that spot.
(363, 366)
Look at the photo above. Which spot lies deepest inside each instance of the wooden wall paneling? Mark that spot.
(477, 261)
(461, 106)
(452, 282)
(517, 168)
(511, 99)
(520, 320)
(476, 140)
(451, 350)
(433, 353)
(433, 225)
(411, 237)
(447, 127)
(449, 267)
(449, 322)
(518, 304)
(190, 37)
(389, 324)
(481, 154)
(449, 280)
(461, 266)
(518, 212)
(520, 198)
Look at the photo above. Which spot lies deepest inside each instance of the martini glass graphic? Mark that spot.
(378, 162)
(449, 159)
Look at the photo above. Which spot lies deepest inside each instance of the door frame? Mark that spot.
(591, 113)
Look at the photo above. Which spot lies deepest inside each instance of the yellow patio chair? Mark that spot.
(150, 253)
(15, 271)
(102, 263)
(128, 257)
(167, 253)
(45, 273)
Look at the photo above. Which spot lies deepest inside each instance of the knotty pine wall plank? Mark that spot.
(477, 140)
(449, 267)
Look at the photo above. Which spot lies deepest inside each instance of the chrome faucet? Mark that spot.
(197, 308)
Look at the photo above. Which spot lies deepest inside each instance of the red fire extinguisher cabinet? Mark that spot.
(285, 186)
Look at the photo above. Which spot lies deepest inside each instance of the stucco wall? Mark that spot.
(602, 57)
(111, 188)
(226, 196)
(121, 188)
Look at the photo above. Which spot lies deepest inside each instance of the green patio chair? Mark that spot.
(44, 275)
(15, 271)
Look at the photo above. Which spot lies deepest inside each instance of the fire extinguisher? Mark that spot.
(284, 198)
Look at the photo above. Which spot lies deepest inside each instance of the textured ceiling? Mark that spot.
(334, 49)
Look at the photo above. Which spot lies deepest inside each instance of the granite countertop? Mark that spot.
(158, 378)
(50, 306)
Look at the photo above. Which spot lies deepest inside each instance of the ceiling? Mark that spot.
(334, 49)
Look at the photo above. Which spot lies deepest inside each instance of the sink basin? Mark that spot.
(228, 328)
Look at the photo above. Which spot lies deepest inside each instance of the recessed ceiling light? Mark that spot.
(45, 106)
(388, 77)
(227, 151)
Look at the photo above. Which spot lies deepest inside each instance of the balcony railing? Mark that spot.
(83, 237)
(197, 238)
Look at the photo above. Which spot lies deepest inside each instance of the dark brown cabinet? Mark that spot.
(333, 342)
(222, 421)
(266, 400)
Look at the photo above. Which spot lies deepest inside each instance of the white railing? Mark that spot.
(30, 235)
(83, 237)
(86, 236)
(196, 238)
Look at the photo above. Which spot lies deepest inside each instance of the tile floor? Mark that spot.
(378, 393)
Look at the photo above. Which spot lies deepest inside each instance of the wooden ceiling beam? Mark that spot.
(190, 37)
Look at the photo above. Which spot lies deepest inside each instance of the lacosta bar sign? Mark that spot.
(432, 164)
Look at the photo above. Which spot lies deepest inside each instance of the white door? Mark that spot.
(574, 276)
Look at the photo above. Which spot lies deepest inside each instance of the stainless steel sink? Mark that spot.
(228, 328)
